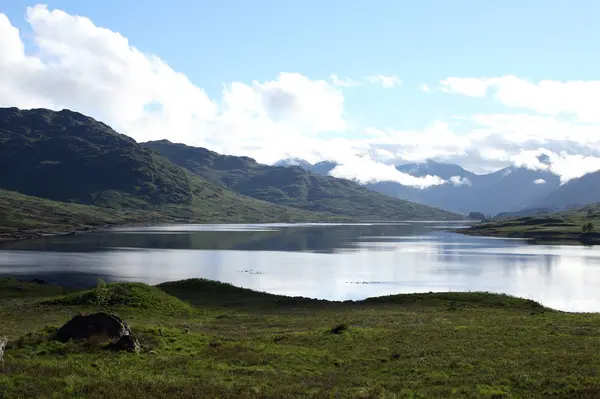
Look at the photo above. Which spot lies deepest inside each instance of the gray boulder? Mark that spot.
(94, 325)
(3, 342)
(126, 343)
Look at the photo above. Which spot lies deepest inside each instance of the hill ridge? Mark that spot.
(293, 186)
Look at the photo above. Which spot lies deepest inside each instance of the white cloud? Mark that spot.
(425, 88)
(539, 181)
(366, 170)
(576, 98)
(573, 166)
(567, 166)
(495, 154)
(96, 71)
(530, 159)
(460, 181)
(93, 70)
(385, 81)
(493, 141)
(343, 82)
(473, 87)
(301, 103)
(550, 97)
(435, 141)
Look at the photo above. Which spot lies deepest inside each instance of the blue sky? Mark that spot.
(215, 43)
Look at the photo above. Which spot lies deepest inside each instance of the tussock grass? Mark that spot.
(122, 295)
(239, 343)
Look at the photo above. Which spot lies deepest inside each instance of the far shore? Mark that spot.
(534, 237)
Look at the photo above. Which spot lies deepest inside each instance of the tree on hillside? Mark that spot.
(588, 227)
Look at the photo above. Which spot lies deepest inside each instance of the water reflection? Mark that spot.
(323, 261)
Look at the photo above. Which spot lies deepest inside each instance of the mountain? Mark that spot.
(293, 186)
(433, 168)
(66, 156)
(323, 168)
(451, 196)
(294, 162)
(576, 192)
(515, 189)
(507, 190)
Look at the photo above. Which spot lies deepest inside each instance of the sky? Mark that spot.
(366, 84)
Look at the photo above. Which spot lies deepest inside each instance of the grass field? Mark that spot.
(206, 339)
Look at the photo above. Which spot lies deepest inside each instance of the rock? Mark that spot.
(339, 329)
(125, 343)
(3, 342)
(93, 325)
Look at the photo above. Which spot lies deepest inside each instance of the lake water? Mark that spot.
(328, 261)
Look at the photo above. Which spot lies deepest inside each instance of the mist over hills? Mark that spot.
(67, 156)
(293, 186)
(511, 189)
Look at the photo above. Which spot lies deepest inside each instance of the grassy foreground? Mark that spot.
(207, 339)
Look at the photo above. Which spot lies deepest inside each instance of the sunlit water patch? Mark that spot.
(330, 261)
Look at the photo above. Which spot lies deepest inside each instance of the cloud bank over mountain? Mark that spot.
(66, 61)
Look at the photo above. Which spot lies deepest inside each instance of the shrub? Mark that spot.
(102, 294)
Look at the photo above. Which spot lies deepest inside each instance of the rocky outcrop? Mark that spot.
(100, 324)
(126, 343)
(3, 342)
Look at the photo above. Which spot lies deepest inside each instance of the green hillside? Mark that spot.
(295, 187)
(67, 156)
(100, 177)
(23, 216)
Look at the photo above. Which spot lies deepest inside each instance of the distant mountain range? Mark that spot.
(69, 157)
(66, 156)
(509, 190)
(574, 193)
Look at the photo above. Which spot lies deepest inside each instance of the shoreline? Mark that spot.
(7, 237)
(534, 237)
(210, 286)
(235, 294)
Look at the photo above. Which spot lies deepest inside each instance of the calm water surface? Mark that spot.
(329, 261)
